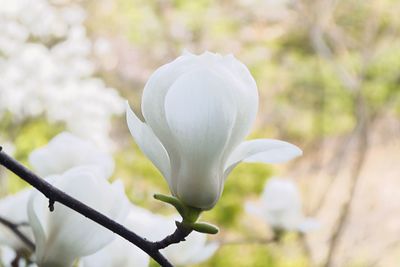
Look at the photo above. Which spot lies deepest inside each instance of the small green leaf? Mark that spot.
(173, 201)
(205, 228)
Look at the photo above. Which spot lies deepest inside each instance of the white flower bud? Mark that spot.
(198, 110)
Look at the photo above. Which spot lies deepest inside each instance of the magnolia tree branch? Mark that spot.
(179, 235)
(56, 195)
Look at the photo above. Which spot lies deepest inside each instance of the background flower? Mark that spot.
(13, 209)
(62, 86)
(280, 207)
(64, 235)
(66, 151)
(154, 227)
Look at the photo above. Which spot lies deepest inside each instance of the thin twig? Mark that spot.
(56, 195)
(353, 83)
(15, 262)
(344, 214)
(14, 227)
(179, 235)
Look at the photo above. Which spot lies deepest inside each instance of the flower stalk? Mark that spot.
(190, 215)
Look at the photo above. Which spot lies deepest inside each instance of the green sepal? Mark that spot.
(173, 201)
(189, 215)
(205, 228)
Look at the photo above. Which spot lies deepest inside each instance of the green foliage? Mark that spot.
(29, 136)
(382, 88)
(141, 177)
(241, 256)
(34, 134)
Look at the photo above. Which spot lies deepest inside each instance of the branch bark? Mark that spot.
(179, 235)
(362, 149)
(56, 195)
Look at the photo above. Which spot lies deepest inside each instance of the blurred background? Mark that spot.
(328, 73)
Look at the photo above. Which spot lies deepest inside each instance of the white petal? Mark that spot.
(243, 89)
(66, 151)
(186, 52)
(246, 95)
(119, 253)
(7, 256)
(262, 150)
(155, 227)
(122, 253)
(152, 226)
(192, 251)
(308, 224)
(254, 208)
(68, 235)
(280, 206)
(38, 222)
(181, 253)
(13, 208)
(281, 194)
(205, 253)
(153, 99)
(201, 121)
(148, 142)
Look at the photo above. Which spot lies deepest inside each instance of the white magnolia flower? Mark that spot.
(13, 209)
(280, 207)
(63, 235)
(66, 151)
(153, 227)
(198, 110)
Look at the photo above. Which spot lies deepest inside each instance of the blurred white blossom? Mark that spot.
(66, 151)
(13, 209)
(64, 235)
(62, 154)
(154, 227)
(8, 255)
(46, 68)
(121, 252)
(280, 207)
(193, 250)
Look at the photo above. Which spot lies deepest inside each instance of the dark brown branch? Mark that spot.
(56, 195)
(15, 262)
(179, 235)
(14, 227)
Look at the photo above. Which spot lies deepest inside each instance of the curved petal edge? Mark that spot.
(262, 150)
(148, 142)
